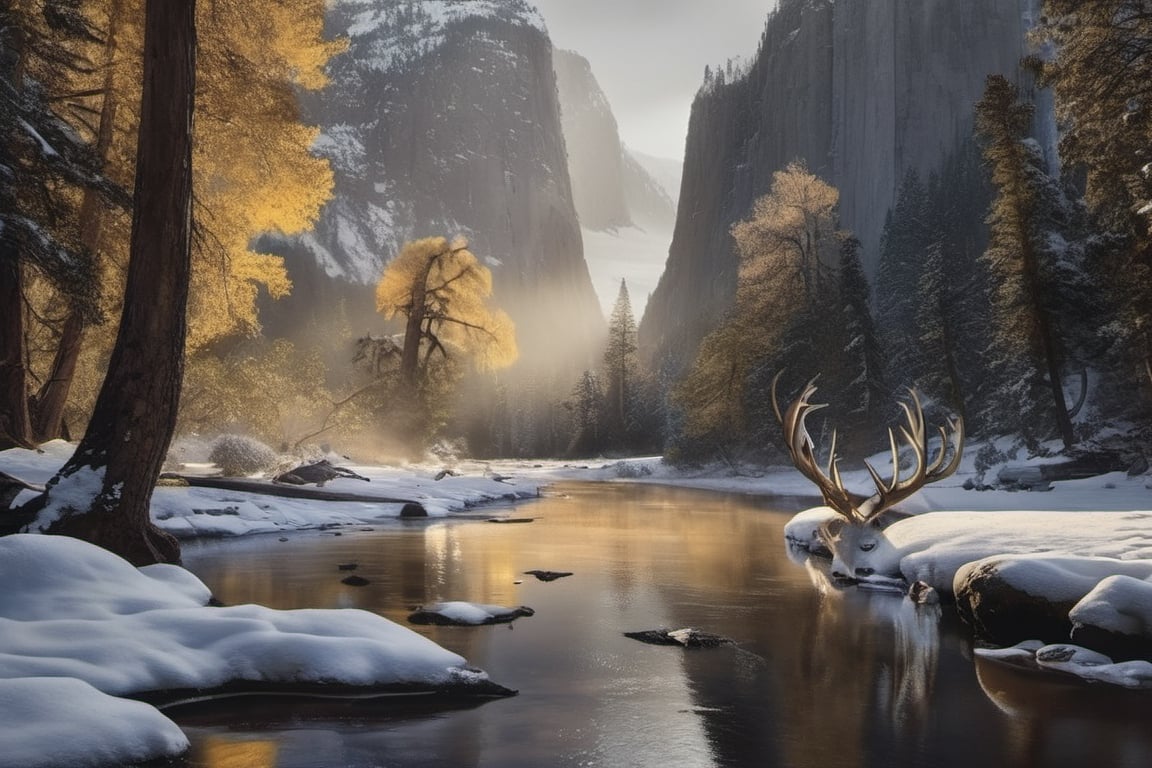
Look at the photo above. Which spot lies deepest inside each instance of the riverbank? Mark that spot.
(451, 487)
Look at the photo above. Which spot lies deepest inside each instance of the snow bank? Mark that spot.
(190, 512)
(53, 722)
(79, 625)
(74, 610)
(1073, 660)
(932, 547)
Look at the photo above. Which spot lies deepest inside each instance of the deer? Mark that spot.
(855, 534)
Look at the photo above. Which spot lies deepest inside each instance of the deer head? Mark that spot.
(858, 545)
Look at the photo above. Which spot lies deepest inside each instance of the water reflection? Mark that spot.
(819, 677)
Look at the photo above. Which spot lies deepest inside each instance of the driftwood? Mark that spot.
(11, 487)
(410, 509)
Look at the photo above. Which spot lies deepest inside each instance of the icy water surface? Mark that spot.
(833, 680)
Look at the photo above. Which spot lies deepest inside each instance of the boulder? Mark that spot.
(1115, 618)
(1007, 599)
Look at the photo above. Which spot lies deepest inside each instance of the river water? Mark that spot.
(818, 678)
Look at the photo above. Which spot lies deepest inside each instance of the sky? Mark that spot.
(649, 56)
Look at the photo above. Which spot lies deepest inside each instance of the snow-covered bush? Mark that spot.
(632, 470)
(240, 455)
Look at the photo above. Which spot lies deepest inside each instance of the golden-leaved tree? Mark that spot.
(440, 290)
(252, 165)
(789, 250)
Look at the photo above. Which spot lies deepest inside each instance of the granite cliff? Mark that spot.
(862, 92)
(626, 214)
(442, 118)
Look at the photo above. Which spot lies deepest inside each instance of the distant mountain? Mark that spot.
(442, 118)
(626, 214)
(863, 92)
(610, 186)
(665, 170)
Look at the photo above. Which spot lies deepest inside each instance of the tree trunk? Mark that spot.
(15, 424)
(135, 413)
(48, 407)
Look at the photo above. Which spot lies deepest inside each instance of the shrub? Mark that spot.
(238, 455)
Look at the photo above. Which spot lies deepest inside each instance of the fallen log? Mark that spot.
(410, 507)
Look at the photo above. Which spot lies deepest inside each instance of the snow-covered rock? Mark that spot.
(1007, 599)
(1069, 659)
(461, 613)
(1116, 618)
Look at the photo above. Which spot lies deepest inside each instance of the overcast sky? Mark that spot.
(649, 56)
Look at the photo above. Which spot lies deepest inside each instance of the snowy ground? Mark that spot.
(80, 626)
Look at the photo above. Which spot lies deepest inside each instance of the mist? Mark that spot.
(649, 56)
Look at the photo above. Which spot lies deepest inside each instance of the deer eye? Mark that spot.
(868, 546)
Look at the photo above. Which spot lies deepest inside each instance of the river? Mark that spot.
(818, 678)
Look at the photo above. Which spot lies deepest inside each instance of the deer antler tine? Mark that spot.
(877, 480)
(775, 404)
(832, 455)
(830, 482)
(895, 462)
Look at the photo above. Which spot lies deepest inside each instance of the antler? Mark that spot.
(855, 507)
(802, 450)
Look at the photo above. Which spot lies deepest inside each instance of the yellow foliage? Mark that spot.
(445, 284)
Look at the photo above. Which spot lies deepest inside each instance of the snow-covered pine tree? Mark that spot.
(1041, 297)
(860, 372)
(42, 163)
(903, 247)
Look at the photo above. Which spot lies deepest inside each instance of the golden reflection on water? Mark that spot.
(225, 752)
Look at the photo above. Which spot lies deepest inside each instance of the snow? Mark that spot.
(1073, 660)
(1118, 603)
(396, 35)
(101, 729)
(191, 511)
(461, 612)
(1084, 537)
(79, 626)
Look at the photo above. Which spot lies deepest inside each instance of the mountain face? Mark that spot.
(625, 213)
(611, 188)
(442, 118)
(862, 92)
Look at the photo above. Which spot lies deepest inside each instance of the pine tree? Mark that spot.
(620, 370)
(903, 248)
(861, 370)
(1028, 249)
(440, 291)
(254, 172)
(586, 406)
(1100, 72)
(952, 313)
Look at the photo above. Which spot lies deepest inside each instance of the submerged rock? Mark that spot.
(686, 637)
(548, 575)
(355, 581)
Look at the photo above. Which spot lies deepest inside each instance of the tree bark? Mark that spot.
(48, 407)
(15, 424)
(135, 413)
